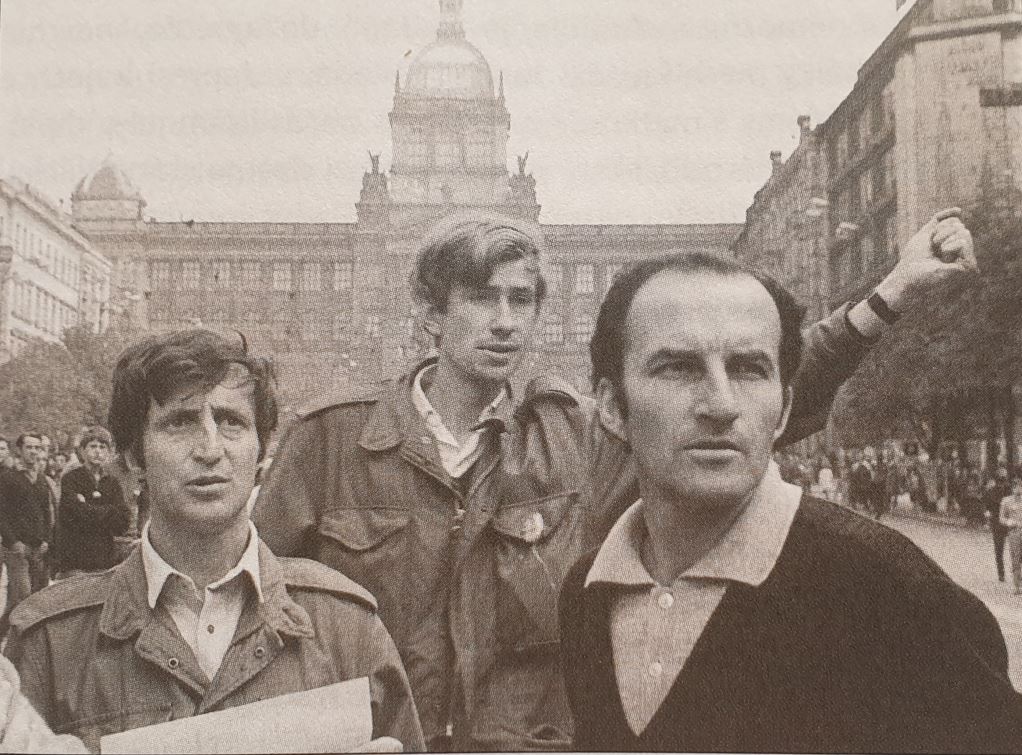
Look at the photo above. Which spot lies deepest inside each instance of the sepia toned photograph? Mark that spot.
(511, 375)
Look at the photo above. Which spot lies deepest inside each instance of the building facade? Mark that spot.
(934, 120)
(331, 301)
(51, 277)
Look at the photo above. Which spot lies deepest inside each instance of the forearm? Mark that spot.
(832, 350)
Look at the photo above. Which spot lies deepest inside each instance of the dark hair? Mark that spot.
(466, 252)
(607, 347)
(20, 442)
(98, 434)
(162, 365)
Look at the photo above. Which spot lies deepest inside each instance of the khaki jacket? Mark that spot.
(95, 660)
(467, 573)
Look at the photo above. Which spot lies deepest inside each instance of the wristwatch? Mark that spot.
(880, 309)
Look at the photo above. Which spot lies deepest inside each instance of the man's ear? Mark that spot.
(432, 321)
(785, 415)
(611, 409)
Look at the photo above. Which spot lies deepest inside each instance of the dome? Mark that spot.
(106, 182)
(450, 68)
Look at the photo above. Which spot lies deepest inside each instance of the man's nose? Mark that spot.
(209, 445)
(504, 320)
(718, 401)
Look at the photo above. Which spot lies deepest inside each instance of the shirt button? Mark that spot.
(665, 601)
(173, 663)
(260, 652)
(655, 669)
(211, 629)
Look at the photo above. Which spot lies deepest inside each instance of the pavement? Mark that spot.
(967, 555)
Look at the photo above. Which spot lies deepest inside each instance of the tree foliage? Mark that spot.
(55, 388)
(954, 353)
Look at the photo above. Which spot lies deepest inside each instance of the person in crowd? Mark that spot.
(6, 459)
(202, 616)
(825, 479)
(55, 467)
(727, 611)
(461, 506)
(996, 490)
(92, 510)
(863, 480)
(1010, 517)
(917, 488)
(25, 521)
(972, 498)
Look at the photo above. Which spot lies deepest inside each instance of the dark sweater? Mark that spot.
(857, 642)
(24, 509)
(86, 528)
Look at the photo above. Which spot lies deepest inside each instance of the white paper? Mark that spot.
(336, 718)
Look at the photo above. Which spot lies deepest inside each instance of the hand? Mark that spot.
(939, 250)
(383, 744)
(19, 547)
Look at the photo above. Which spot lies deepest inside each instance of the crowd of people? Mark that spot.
(543, 571)
(62, 512)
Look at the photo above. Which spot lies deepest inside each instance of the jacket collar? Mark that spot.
(126, 610)
(394, 418)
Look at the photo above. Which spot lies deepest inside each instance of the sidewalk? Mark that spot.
(938, 517)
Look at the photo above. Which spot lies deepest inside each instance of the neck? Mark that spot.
(31, 471)
(202, 557)
(458, 399)
(679, 534)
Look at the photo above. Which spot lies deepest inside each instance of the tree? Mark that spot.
(54, 387)
(952, 360)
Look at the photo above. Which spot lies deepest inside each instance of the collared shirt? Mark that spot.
(655, 627)
(208, 619)
(457, 458)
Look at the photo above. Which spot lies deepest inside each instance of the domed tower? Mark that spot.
(106, 198)
(450, 130)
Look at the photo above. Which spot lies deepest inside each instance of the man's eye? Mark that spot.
(177, 422)
(752, 369)
(523, 299)
(676, 370)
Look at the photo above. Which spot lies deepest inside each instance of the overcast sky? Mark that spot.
(637, 111)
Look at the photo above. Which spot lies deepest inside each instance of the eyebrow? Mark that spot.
(669, 354)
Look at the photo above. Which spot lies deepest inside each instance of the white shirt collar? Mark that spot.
(432, 417)
(747, 553)
(158, 571)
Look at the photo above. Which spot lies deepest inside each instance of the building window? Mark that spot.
(554, 278)
(222, 275)
(342, 276)
(448, 154)
(190, 274)
(865, 189)
(553, 331)
(250, 274)
(373, 326)
(159, 275)
(342, 320)
(583, 331)
(281, 276)
(311, 276)
(584, 279)
(612, 272)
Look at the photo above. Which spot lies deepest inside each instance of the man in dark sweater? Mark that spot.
(728, 611)
(25, 521)
(92, 510)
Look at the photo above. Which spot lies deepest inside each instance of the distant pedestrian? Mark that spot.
(92, 510)
(996, 490)
(1010, 516)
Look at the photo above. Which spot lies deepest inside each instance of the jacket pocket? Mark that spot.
(362, 529)
(536, 543)
(91, 729)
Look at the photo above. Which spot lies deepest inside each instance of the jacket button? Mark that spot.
(173, 663)
(260, 652)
